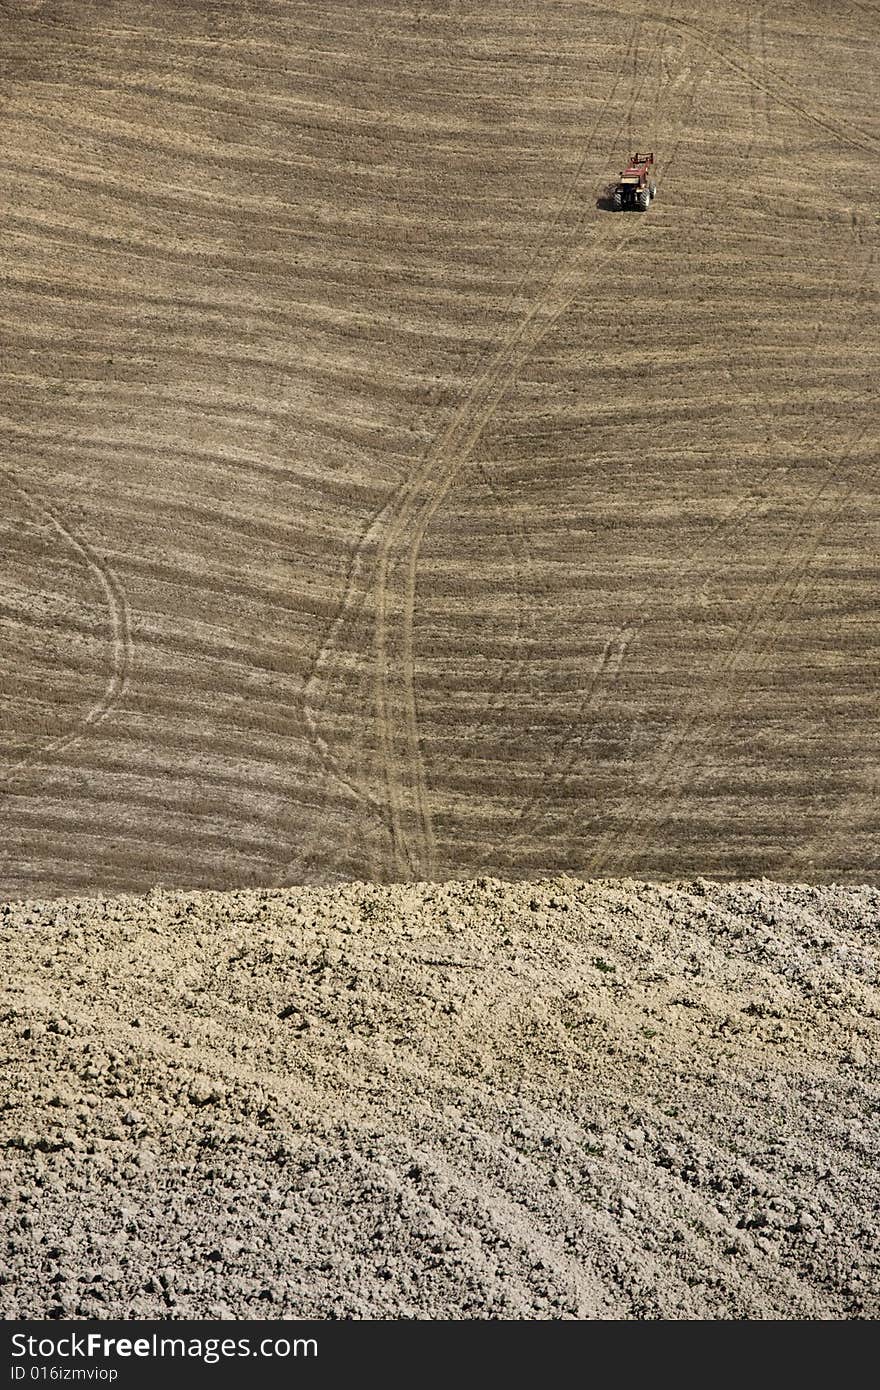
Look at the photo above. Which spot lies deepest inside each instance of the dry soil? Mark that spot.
(374, 503)
(546, 1100)
(377, 505)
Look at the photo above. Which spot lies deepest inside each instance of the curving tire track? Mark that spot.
(671, 773)
(404, 798)
(778, 592)
(453, 450)
(517, 542)
(120, 632)
(399, 529)
(611, 658)
(778, 90)
(413, 850)
(779, 596)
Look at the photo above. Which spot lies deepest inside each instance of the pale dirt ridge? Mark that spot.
(556, 1099)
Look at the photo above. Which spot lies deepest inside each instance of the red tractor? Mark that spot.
(635, 188)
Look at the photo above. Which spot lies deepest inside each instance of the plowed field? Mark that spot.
(474, 1100)
(376, 503)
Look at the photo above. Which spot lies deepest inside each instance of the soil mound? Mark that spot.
(557, 1099)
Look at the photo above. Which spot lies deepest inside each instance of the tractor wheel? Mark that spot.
(653, 191)
(644, 200)
(616, 202)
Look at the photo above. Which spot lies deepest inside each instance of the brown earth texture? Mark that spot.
(375, 503)
(487, 1100)
(382, 513)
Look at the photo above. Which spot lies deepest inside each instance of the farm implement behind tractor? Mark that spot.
(635, 188)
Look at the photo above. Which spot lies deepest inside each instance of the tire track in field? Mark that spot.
(432, 1147)
(567, 749)
(518, 544)
(613, 653)
(756, 38)
(408, 529)
(790, 592)
(611, 658)
(695, 724)
(669, 776)
(454, 449)
(520, 549)
(779, 91)
(855, 805)
(356, 593)
(387, 529)
(122, 646)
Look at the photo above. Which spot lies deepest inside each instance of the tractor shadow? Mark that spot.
(605, 202)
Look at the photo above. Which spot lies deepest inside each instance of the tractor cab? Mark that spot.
(637, 169)
(635, 189)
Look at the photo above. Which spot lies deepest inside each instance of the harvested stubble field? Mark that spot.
(375, 502)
